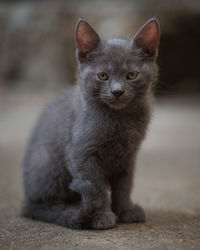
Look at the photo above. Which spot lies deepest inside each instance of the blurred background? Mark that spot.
(37, 60)
(37, 39)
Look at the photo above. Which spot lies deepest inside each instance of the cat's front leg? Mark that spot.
(88, 180)
(122, 205)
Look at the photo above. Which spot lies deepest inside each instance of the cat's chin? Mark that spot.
(116, 104)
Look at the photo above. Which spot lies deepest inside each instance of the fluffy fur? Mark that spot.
(86, 141)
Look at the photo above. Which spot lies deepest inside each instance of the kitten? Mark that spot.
(87, 139)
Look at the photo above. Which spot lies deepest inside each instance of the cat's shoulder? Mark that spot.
(61, 105)
(63, 99)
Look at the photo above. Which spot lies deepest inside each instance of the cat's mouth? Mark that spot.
(116, 103)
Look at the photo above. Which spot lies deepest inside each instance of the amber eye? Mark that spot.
(103, 76)
(131, 75)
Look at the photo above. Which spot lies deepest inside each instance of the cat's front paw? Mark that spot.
(103, 220)
(133, 214)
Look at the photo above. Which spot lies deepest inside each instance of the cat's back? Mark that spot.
(44, 157)
(56, 119)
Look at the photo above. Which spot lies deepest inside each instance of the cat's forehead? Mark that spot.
(117, 42)
(118, 53)
(116, 46)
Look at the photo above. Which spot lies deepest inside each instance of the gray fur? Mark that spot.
(85, 144)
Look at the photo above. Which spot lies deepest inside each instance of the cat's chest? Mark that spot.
(115, 153)
(118, 143)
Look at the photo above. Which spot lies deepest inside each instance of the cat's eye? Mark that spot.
(132, 75)
(103, 76)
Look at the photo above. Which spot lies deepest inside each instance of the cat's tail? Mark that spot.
(60, 214)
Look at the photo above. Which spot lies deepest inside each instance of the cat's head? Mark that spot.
(116, 72)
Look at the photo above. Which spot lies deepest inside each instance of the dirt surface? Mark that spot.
(167, 183)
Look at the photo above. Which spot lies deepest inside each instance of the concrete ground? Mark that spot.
(167, 183)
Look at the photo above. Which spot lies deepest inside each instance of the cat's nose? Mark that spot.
(117, 93)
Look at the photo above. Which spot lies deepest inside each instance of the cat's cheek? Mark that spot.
(149, 72)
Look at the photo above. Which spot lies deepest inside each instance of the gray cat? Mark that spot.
(87, 139)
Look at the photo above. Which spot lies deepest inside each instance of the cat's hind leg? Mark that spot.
(60, 214)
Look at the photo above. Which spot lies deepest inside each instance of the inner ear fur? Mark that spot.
(148, 37)
(87, 38)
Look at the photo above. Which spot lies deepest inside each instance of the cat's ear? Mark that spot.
(147, 38)
(87, 39)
